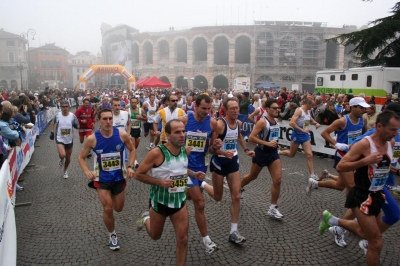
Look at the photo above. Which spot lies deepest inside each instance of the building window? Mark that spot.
(44, 74)
(77, 77)
(369, 81)
(51, 74)
(73, 61)
(58, 74)
(77, 70)
(320, 81)
(333, 77)
(79, 61)
(342, 77)
(354, 76)
(11, 57)
(10, 43)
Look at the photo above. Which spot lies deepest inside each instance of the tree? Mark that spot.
(383, 38)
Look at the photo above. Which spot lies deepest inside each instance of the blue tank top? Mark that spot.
(198, 141)
(351, 131)
(109, 157)
(104, 106)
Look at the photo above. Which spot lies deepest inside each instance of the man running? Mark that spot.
(168, 178)
(300, 123)
(265, 134)
(108, 178)
(151, 108)
(120, 117)
(85, 115)
(370, 158)
(225, 162)
(136, 115)
(198, 134)
(64, 123)
(166, 114)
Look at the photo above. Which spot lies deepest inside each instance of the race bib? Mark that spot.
(352, 135)
(152, 113)
(230, 143)
(396, 152)
(380, 177)
(274, 133)
(111, 161)
(306, 124)
(65, 132)
(179, 184)
(135, 124)
(196, 141)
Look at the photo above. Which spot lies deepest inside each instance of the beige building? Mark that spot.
(79, 63)
(286, 53)
(13, 63)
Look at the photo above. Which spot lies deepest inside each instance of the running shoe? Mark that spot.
(312, 184)
(364, 246)
(338, 233)
(141, 222)
(19, 188)
(114, 245)
(325, 174)
(275, 213)
(314, 176)
(241, 193)
(324, 224)
(61, 163)
(210, 246)
(65, 176)
(225, 182)
(236, 238)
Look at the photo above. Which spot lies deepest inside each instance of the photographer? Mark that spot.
(23, 116)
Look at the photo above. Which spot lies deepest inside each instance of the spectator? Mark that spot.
(244, 104)
(339, 105)
(23, 116)
(289, 111)
(371, 100)
(319, 109)
(329, 114)
(371, 115)
(8, 134)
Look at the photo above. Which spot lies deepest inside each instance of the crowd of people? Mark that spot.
(192, 132)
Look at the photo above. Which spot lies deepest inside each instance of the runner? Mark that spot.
(64, 123)
(300, 123)
(120, 117)
(265, 134)
(259, 112)
(370, 159)
(198, 133)
(85, 115)
(168, 178)
(108, 178)
(166, 114)
(225, 162)
(136, 115)
(151, 108)
(216, 103)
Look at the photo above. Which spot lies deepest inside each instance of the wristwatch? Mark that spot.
(131, 166)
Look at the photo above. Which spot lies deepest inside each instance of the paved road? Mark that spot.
(64, 226)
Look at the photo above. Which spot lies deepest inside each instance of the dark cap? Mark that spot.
(246, 93)
(395, 107)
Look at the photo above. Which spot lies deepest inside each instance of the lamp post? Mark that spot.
(20, 67)
(26, 35)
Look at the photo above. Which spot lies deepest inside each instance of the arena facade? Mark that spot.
(287, 53)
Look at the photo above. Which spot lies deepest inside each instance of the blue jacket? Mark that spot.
(7, 132)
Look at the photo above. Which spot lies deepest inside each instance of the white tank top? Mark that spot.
(120, 121)
(151, 112)
(64, 128)
(304, 120)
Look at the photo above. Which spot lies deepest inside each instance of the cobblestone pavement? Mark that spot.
(63, 225)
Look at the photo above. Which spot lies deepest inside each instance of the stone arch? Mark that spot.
(180, 46)
(3, 84)
(181, 83)
(287, 50)
(311, 51)
(311, 36)
(163, 51)
(147, 53)
(200, 82)
(219, 35)
(165, 79)
(288, 78)
(199, 46)
(263, 78)
(220, 82)
(242, 49)
(13, 84)
(221, 50)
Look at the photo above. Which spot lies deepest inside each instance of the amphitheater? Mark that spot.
(287, 53)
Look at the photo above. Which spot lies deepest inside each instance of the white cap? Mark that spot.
(359, 101)
(230, 95)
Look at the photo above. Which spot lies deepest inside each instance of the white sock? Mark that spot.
(136, 162)
(203, 184)
(233, 227)
(273, 206)
(145, 219)
(112, 233)
(206, 239)
(333, 220)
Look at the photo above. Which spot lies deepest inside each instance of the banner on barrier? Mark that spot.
(318, 143)
(43, 118)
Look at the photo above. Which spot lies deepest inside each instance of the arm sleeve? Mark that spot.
(23, 119)
(8, 133)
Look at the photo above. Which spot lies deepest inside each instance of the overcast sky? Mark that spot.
(75, 24)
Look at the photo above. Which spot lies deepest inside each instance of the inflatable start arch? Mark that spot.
(106, 69)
